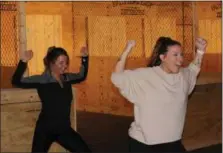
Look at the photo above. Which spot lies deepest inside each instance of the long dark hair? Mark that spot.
(161, 47)
(52, 54)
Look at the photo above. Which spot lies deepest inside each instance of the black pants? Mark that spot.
(172, 147)
(68, 138)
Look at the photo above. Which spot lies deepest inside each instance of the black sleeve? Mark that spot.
(74, 78)
(24, 82)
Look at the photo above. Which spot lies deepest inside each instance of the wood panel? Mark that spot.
(67, 33)
(209, 10)
(90, 8)
(43, 31)
(19, 112)
(98, 94)
(157, 27)
(134, 31)
(6, 75)
(48, 8)
(108, 30)
(187, 44)
(107, 39)
(211, 31)
(79, 34)
(107, 36)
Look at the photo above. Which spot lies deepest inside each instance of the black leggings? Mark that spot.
(69, 139)
(172, 147)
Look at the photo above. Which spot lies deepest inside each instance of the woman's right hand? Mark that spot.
(84, 51)
(131, 43)
(27, 56)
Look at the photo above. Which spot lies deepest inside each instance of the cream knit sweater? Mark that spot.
(160, 101)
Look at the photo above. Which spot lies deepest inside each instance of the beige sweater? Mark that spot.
(160, 101)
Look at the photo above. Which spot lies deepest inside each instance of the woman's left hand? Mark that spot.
(201, 44)
(84, 51)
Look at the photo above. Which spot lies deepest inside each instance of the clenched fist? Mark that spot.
(131, 43)
(84, 51)
(201, 44)
(27, 56)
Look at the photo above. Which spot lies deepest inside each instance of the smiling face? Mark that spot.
(60, 65)
(172, 60)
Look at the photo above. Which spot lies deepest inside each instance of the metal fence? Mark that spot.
(9, 33)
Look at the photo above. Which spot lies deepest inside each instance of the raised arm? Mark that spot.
(74, 78)
(200, 50)
(120, 65)
(119, 78)
(192, 71)
(126, 80)
(24, 82)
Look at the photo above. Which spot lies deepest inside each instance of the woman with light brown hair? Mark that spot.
(159, 93)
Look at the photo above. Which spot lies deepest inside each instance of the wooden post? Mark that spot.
(22, 31)
(195, 26)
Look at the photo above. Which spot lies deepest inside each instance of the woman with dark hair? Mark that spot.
(55, 91)
(159, 94)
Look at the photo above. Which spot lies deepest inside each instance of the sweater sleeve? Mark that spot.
(24, 82)
(128, 84)
(191, 72)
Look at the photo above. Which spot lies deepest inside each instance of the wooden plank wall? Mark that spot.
(213, 61)
(210, 27)
(42, 31)
(106, 26)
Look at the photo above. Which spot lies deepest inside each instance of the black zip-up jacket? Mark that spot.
(56, 101)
